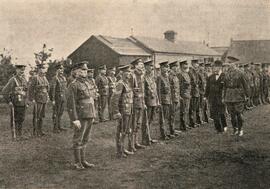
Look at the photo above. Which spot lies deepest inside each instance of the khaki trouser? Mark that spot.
(81, 136)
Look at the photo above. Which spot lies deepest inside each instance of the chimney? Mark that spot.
(170, 35)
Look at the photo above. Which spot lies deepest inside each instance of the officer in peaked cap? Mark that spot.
(112, 83)
(164, 94)
(58, 89)
(139, 119)
(39, 94)
(102, 83)
(81, 110)
(151, 101)
(194, 109)
(14, 93)
(175, 95)
(235, 95)
(185, 89)
(122, 102)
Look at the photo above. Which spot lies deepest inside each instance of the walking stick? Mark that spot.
(12, 123)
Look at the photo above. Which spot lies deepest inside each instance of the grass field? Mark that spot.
(198, 159)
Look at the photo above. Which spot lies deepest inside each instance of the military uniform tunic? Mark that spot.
(185, 89)
(80, 105)
(103, 88)
(151, 101)
(164, 93)
(15, 91)
(175, 96)
(122, 103)
(58, 95)
(234, 95)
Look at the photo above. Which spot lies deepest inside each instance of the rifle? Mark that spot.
(12, 123)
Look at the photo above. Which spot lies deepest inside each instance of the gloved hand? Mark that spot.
(77, 124)
(117, 116)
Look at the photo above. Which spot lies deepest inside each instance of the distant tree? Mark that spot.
(7, 70)
(43, 55)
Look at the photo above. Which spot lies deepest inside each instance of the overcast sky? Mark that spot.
(64, 24)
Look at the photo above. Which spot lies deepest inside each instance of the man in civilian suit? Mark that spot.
(213, 92)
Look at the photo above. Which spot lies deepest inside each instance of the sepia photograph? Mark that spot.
(134, 94)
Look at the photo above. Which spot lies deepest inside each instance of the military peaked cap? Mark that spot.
(164, 64)
(183, 62)
(136, 61)
(124, 68)
(103, 67)
(173, 64)
(20, 66)
(148, 62)
(81, 65)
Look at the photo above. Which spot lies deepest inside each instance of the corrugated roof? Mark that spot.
(179, 47)
(250, 50)
(122, 46)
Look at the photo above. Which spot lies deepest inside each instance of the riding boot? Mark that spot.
(77, 157)
(137, 145)
(55, 128)
(83, 161)
(40, 132)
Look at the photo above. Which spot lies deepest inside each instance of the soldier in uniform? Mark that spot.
(81, 110)
(175, 96)
(265, 83)
(164, 94)
(122, 105)
(139, 106)
(15, 94)
(234, 95)
(194, 108)
(103, 88)
(112, 82)
(58, 97)
(151, 100)
(213, 92)
(38, 94)
(202, 85)
(255, 68)
(90, 76)
(250, 83)
(185, 89)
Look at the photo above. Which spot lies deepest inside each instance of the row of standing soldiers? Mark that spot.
(133, 97)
